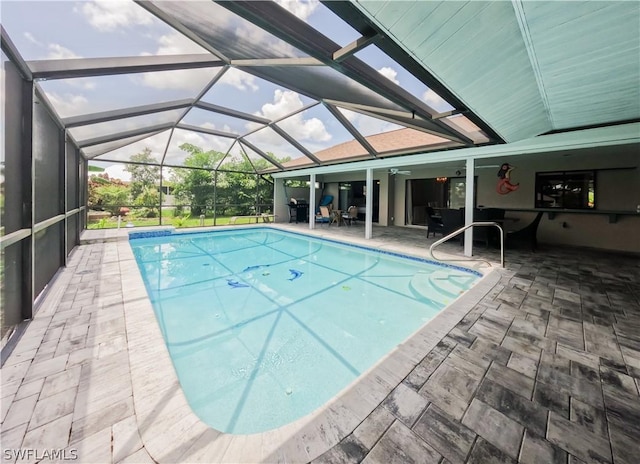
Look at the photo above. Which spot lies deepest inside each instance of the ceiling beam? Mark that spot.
(412, 123)
(9, 49)
(201, 94)
(404, 118)
(354, 47)
(90, 67)
(178, 26)
(230, 112)
(376, 109)
(627, 134)
(280, 62)
(533, 58)
(261, 153)
(151, 130)
(351, 14)
(103, 150)
(204, 130)
(281, 23)
(295, 143)
(294, 112)
(113, 115)
(352, 130)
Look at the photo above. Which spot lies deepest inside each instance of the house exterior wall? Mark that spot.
(617, 189)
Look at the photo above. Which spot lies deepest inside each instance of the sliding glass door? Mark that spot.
(437, 193)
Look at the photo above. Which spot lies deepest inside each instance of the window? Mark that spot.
(437, 193)
(457, 191)
(568, 189)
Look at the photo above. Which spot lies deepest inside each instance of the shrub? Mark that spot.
(112, 197)
(181, 221)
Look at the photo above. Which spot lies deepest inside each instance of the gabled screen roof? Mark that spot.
(309, 83)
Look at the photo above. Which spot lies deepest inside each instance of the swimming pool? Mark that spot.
(263, 326)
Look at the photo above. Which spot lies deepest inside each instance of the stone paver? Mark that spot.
(401, 446)
(493, 426)
(545, 368)
(564, 367)
(446, 435)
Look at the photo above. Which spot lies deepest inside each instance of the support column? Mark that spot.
(215, 196)
(65, 192)
(280, 201)
(312, 201)
(368, 221)
(468, 208)
(160, 198)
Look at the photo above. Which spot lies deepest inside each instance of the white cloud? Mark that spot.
(309, 131)
(212, 126)
(435, 101)
(58, 52)
(117, 171)
(239, 79)
(302, 9)
(277, 48)
(174, 156)
(367, 125)
(175, 43)
(206, 142)
(85, 83)
(192, 80)
(31, 38)
(156, 144)
(54, 51)
(69, 104)
(111, 15)
(286, 102)
(389, 74)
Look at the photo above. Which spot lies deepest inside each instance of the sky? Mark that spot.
(89, 29)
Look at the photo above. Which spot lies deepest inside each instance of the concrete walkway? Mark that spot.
(543, 367)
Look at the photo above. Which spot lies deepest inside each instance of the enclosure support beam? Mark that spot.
(368, 222)
(215, 196)
(312, 201)
(468, 207)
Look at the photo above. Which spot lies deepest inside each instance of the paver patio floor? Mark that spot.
(544, 368)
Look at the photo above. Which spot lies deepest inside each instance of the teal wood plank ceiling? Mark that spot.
(525, 67)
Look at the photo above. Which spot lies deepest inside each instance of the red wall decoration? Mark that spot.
(504, 180)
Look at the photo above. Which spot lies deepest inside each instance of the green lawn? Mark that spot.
(112, 223)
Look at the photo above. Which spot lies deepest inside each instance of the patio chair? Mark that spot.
(452, 220)
(350, 215)
(326, 200)
(481, 233)
(496, 215)
(325, 216)
(525, 237)
(434, 224)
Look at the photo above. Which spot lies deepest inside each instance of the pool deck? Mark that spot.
(539, 362)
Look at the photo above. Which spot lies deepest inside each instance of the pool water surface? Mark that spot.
(264, 326)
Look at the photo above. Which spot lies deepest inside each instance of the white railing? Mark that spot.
(462, 229)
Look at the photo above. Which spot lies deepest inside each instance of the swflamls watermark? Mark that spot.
(52, 454)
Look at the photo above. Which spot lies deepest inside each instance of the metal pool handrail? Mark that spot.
(462, 229)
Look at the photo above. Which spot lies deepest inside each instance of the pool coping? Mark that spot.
(172, 432)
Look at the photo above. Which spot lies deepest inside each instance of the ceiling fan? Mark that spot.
(394, 171)
(487, 166)
(461, 169)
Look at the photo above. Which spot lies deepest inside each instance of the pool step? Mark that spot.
(447, 285)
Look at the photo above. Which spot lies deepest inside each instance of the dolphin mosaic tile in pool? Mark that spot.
(265, 326)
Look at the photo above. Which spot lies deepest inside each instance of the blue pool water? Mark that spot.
(265, 326)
